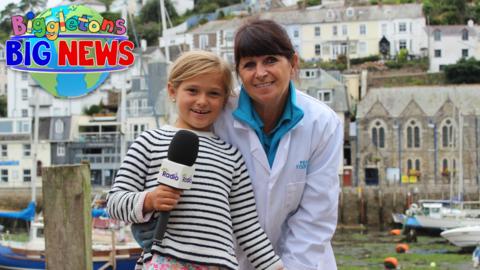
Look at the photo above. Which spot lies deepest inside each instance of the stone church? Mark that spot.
(420, 135)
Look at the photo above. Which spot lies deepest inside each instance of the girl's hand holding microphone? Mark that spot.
(162, 198)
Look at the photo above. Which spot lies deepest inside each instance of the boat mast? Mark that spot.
(164, 29)
(123, 101)
(460, 158)
(33, 180)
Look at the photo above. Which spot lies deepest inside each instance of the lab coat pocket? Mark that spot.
(293, 196)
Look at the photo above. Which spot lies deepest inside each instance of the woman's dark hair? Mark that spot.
(262, 37)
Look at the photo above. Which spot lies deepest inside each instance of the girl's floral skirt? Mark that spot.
(159, 262)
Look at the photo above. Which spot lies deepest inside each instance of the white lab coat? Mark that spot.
(297, 199)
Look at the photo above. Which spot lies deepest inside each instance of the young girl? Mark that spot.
(220, 205)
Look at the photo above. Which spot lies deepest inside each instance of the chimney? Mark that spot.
(143, 44)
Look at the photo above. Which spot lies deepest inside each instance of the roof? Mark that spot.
(429, 98)
(453, 29)
(217, 25)
(323, 82)
(360, 13)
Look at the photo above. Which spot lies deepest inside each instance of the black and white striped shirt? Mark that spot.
(220, 203)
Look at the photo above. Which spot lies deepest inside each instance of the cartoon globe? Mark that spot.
(71, 81)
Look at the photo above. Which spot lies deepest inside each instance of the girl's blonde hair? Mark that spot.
(194, 63)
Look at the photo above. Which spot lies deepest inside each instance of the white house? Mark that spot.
(450, 43)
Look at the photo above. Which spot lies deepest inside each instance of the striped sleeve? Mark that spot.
(125, 199)
(250, 235)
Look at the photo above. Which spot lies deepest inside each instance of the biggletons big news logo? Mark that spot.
(69, 50)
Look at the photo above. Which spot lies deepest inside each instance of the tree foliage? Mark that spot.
(441, 12)
(464, 71)
(3, 106)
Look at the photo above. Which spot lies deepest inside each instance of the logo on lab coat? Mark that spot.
(302, 165)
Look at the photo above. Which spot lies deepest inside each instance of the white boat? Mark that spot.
(443, 214)
(464, 236)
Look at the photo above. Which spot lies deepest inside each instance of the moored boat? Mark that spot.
(468, 236)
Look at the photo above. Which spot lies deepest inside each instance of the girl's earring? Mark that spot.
(174, 100)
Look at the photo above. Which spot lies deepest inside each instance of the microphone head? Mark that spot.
(183, 148)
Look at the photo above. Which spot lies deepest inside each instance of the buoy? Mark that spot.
(395, 232)
(401, 248)
(390, 263)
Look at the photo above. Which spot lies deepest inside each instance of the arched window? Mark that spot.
(417, 165)
(413, 134)
(409, 165)
(378, 134)
(448, 132)
(445, 164)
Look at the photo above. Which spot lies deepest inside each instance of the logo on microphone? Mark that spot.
(186, 178)
(172, 176)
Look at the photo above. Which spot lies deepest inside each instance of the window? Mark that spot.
(409, 165)
(317, 49)
(27, 175)
(363, 29)
(61, 150)
(362, 48)
(229, 36)
(59, 126)
(402, 44)
(24, 76)
(137, 129)
(325, 95)
(24, 94)
(144, 103)
(384, 29)
(4, 175)
(448, 134)
(438, 53)
(402, 27)
(350, 12)
(344, 30)
(334, 30)
(4, 150)
(464, 53)
(26, 150)
(317, 31)
(437, 35)
(445, 165)
(417, 165)
(203, 42)
(330, 14)
(464, 34)
(378, 134)
(295, 33)
(413, 134)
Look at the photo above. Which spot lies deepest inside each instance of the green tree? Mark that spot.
(440, 12)
(27, 5)
(464, 71)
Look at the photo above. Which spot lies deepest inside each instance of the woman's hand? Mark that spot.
(162, 198)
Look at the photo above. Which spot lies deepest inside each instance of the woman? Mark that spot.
(220, 204)
(291, 143)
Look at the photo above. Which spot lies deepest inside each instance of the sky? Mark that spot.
(50, 3)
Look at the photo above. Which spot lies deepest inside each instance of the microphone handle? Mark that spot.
(161, 225)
